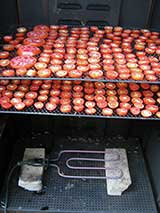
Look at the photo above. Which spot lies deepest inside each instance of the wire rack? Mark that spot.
(57, 112)
(83, 78)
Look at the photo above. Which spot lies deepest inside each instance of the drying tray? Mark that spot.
(87, 196)
(12, 31)
(32, 111)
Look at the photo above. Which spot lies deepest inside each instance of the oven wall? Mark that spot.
(127, 13)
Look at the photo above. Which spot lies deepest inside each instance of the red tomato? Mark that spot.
(124, 98)
(90, 111)
(22, 62)
(15, 101)
(99, 85)
(44, 73)
(149, 100)
(61, 73)
(4, 54)
(19, 106)
(77, 94)
(147, 93)
(42, 98)
(139, 105)
(4, 62)
(99, 98)
(122, 111)
(133, 86)
(6, 105)
(50, 106)
(110, 92)
(34, 87)
(54, 100)
(122, 91)
(96, 74)
(113, 104)
(145, 86)
(158, 114)
(19, 94)
(125, 105)
(7, 93)
(146, 113)
(8, 73)
(43, 92)
(28, 50)
(55, 92)
(38, 105)
(137, 76)
(78, 108)
(7, 38)
(89, 97)
(28, 102)
(21, 71)
(40, 65)
(107, 112)
(102, 104)
(135, 111)
(65, 101)
(112, 98)
(154, 88)
(78, 101)
(111, 75)
(152, 108)
(89, 90)
(135, 94)
(8, 47)
(77, 88)
(90, 104)
(65, 108)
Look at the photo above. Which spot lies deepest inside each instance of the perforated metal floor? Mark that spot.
(77, 196)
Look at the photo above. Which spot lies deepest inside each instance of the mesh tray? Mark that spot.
(77, 196)
(57, 112)
(12, 31)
